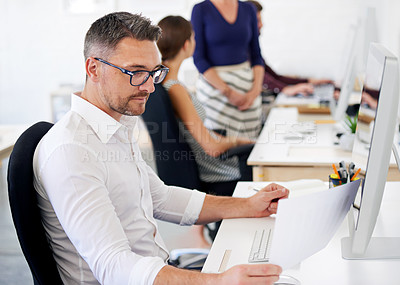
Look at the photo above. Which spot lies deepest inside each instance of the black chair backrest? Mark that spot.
(174, 158)
(24, 209)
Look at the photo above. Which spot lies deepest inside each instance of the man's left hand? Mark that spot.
(265, 202)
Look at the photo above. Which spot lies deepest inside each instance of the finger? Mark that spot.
(278, 194)
(268, 280)
(272, 210)
(273, 206)
(273, 187)
(263, 270)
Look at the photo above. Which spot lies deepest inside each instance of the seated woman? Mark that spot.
(277, 83)
(176, 44)
(219, 176)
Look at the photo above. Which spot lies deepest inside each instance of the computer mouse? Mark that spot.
(287, 280)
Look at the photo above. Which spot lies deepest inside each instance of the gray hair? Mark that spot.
(106, 32)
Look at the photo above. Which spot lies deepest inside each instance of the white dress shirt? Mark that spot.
(99, 200)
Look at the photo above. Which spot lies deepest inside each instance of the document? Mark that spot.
(304, 225)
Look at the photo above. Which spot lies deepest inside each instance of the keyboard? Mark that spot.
(261, 245)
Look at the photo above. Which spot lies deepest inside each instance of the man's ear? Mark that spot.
(92, 67)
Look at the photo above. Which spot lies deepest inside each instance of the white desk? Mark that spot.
(279, 156)
(325, 267)
(8, 136)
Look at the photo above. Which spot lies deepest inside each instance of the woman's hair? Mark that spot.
(106, 32)
(256, 4)
(175, 30)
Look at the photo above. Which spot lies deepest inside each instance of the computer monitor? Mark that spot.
(371, 152)
(338, 109)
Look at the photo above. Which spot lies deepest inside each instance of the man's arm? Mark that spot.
(262, 204)
(241, 274)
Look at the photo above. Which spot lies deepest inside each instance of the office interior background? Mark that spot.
(42, 41)
(41, 55)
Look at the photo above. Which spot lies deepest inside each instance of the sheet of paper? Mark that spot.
(305, 225)
(296, 187)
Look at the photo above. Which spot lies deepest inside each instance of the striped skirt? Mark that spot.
(220, 113)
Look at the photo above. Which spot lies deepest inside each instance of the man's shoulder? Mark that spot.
(71, 129)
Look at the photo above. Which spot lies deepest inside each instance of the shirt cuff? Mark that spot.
(145, 271)
(193, 208)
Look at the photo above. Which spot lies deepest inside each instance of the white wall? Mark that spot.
(41, 44)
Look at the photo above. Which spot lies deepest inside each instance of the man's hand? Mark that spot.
(315, 81)
(251, 274)
(262, 204)
(240, 274)
(265, 202)
(304, 89)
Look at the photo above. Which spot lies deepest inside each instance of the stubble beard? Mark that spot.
(124, 106)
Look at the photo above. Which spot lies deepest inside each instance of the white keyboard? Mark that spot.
(261, 245)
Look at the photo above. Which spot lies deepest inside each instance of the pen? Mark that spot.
(334, 168)
(355, 174)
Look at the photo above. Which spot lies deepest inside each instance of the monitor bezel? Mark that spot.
(362, 222)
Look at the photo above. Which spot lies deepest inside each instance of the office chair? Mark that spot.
(25, 211)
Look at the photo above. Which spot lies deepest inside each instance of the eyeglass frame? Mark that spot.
(132, 73)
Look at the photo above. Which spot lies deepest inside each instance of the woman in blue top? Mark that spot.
(228, 56)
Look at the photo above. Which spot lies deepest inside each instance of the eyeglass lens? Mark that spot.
(141, 77)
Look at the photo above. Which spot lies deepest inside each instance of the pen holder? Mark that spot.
(335, 180)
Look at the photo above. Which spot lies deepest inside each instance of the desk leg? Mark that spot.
(258, 173)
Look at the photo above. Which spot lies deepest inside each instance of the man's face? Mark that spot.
(118, 97)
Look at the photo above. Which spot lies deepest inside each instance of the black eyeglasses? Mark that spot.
(140, 77)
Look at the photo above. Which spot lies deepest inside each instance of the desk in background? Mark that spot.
(304, 105)
(279, 155)
(325, 267)
(311, 104)
(8, 136)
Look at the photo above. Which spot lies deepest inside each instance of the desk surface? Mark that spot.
(287, 139)
(292, 140)
(325, 267)
(8, 136)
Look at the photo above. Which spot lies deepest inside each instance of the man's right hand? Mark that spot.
(304, 89)
(251, 274)
(240, 274)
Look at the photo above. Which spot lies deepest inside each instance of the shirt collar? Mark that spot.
(102, 124)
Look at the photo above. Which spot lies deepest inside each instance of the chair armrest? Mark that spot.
(189, 258)
(220, 132)
(176, 253)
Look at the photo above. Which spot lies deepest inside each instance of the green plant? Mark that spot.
(351, 123)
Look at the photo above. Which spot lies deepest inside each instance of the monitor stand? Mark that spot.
(378, 248)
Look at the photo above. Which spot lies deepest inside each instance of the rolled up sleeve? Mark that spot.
(175, 204)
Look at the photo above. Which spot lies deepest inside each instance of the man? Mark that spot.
(99, 199)
(279, 83)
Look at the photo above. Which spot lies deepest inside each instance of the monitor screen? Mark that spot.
(338, 109)
(372, 148)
